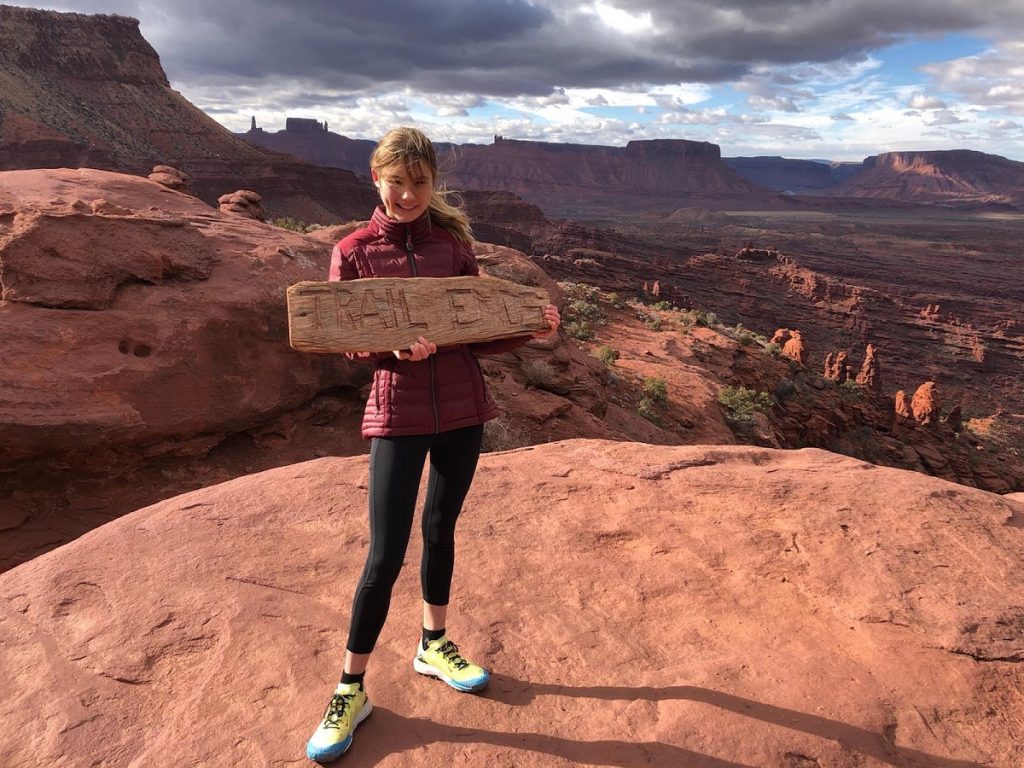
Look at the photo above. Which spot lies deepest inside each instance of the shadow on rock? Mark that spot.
(515, 692)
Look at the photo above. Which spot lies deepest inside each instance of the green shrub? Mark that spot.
(580, 291)
(582, 308)
(741, 401)
(663, 306)
(649, 410)
(773, 349)
(653, 322)
(852, 388)
(745, 338)
(655, 389)
(582, 330)
(707, 319)
(607, 355)
(287, 222)
(743, 335)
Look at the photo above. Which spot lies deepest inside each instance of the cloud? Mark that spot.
(991, 79)
(714, 116)
(1004, 125)
(530, 47)
(945, 117)
(920, 101)
(777, 103)
(791, 70)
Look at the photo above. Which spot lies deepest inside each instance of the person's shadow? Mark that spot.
(387, 733)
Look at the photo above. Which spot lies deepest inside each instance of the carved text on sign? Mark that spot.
(381, 314)
(381, 309)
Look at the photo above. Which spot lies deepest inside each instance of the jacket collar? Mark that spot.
(396, 231)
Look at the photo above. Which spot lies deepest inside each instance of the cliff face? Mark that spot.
(792, 175)
(563, 178)
(79, 46)
(89, 91)
(958, 176)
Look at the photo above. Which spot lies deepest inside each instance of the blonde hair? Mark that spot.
(409, 147)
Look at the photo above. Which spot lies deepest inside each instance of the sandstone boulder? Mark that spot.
(130, 334)
(170, 177)
(244, 202)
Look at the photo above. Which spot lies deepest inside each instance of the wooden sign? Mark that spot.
(386, 313)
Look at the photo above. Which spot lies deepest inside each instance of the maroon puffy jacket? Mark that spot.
(447, 390)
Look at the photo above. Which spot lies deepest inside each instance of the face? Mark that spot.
(404, 190)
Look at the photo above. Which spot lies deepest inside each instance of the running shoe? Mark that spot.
(348, 708)
(441, 659)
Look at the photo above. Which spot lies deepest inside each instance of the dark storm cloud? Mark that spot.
(516, 47)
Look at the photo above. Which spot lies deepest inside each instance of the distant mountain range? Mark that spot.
(561, 176)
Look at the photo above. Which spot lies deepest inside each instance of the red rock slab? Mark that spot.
(719, 607)
(152, 325)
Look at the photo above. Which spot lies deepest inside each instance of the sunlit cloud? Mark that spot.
(787, 77)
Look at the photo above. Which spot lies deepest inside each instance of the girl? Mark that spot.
(424, 401)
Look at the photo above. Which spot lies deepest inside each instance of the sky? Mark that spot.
(820, 79)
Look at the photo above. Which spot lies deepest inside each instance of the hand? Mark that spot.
(554, 320)
(420, 349)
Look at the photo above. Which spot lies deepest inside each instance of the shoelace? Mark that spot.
(451, 652)
(336, 709)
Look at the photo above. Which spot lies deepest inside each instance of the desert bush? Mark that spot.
(580, 291)
(582, 310)
(707, 319)
(655, 389)
(851, 388)
(287, 222)
(740, 401)
(502, 434)
(607, 355)
(772, 349)
(653, 322)
(583, 330)
(615, 300)
(538, 373)
(741, 334)
(662, 306)
(649, 410)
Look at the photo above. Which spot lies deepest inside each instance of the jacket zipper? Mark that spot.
(433, 363)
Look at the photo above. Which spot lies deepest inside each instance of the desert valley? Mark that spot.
(774, 458)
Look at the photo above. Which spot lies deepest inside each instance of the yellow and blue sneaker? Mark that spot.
(441, 659)
(348, 708)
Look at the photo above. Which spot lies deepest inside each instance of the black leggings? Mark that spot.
(396, 465)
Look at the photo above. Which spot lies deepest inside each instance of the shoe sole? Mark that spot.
(428, 671)
(332, 754)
